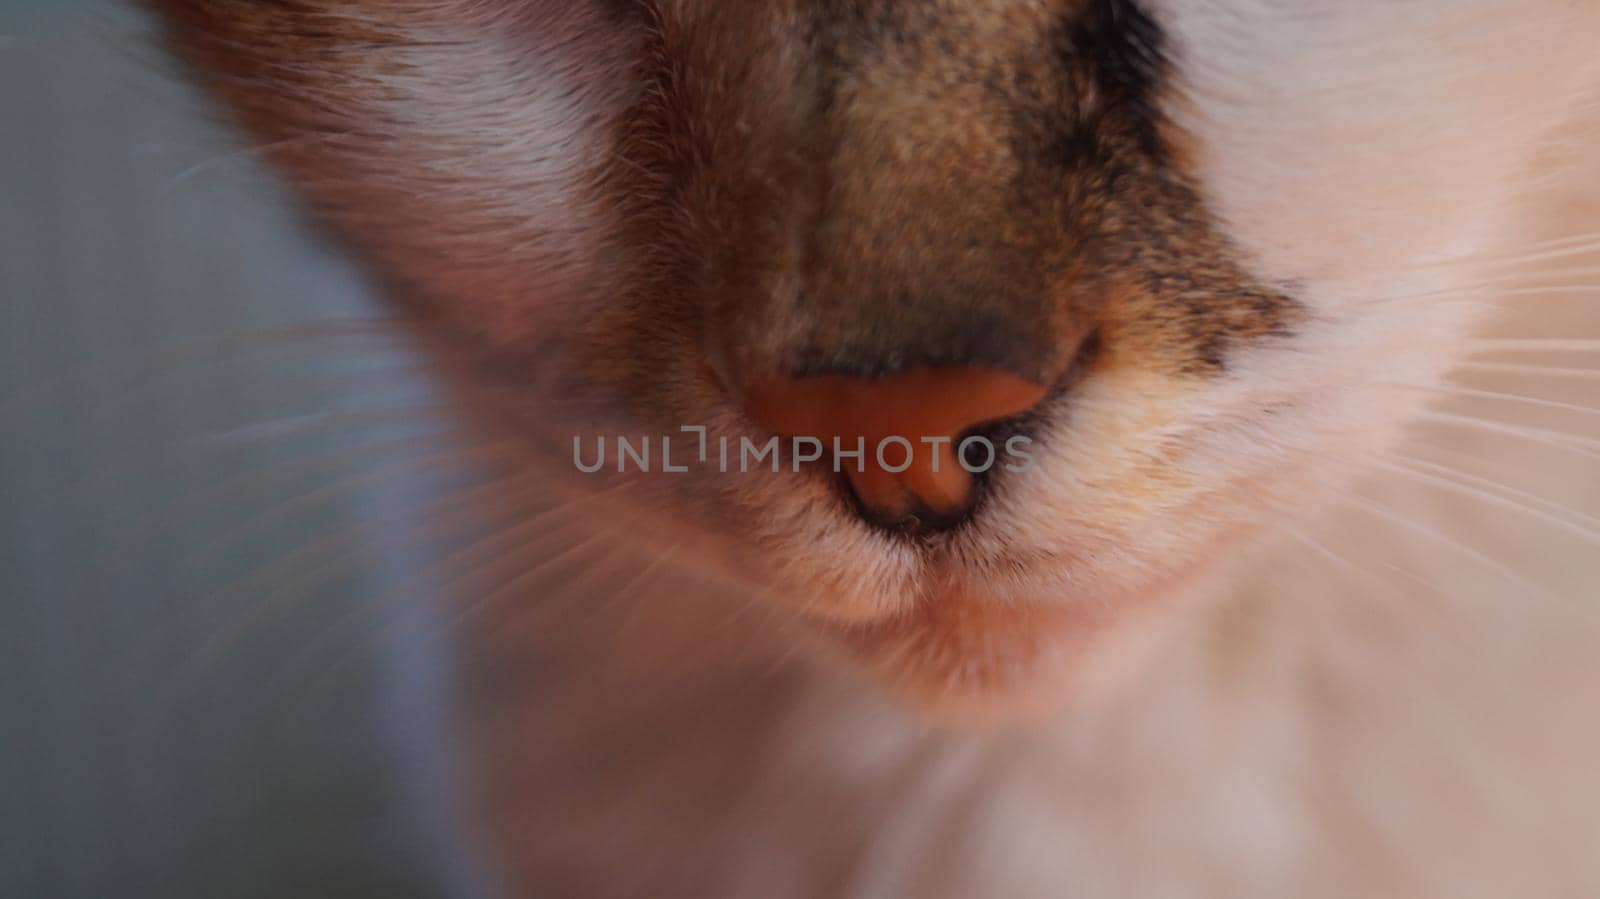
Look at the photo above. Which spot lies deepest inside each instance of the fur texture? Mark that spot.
(1261, 216)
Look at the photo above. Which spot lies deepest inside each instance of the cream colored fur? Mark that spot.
(1389, 695)
(1364, 684)
(1394, 698)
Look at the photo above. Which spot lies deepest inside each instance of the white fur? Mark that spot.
(1358, 734)
(1343, 742)
(473, 142)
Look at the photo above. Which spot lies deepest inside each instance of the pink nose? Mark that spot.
(928, 408)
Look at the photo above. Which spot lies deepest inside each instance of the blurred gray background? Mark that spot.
(196, 409)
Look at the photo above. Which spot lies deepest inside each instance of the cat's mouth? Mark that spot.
(966, 652)
(964, 656)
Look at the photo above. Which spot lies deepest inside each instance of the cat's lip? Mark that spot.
(967, 656)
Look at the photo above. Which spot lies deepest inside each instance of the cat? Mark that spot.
(1185, 269)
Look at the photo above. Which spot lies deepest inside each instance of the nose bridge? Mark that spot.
(898, 285)
(922, 250)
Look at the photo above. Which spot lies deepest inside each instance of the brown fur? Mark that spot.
(792, 188)
(949, 186)
(826, 188)
(810, 187)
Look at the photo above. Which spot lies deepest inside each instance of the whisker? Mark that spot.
(1353, 571)
(508, 588)
(1500, 396)
(1533, 344)
(444, 516)
(260, 579)
(1535, 370)
(1535, 277)
(182, 685)
(1541, 290)
(1589, 246)
(541, 563)
(477, 454)
(303, 684)
(326, 550)
(1439, 598)
(512, 555)
(169, 357)
(1584, 446)
(372, 623)
(367, 383)
(1438, 536)
(246, 154)
(504, 543)
(201, 500)
(1584, 527)
(306, 423)
(640, 578)
(1537, 251)
(265, 431)
(1493, 291)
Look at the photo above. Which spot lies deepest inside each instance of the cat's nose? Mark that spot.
(897, 437)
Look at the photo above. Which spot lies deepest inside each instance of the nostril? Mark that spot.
(915, 501)
(977, 453)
